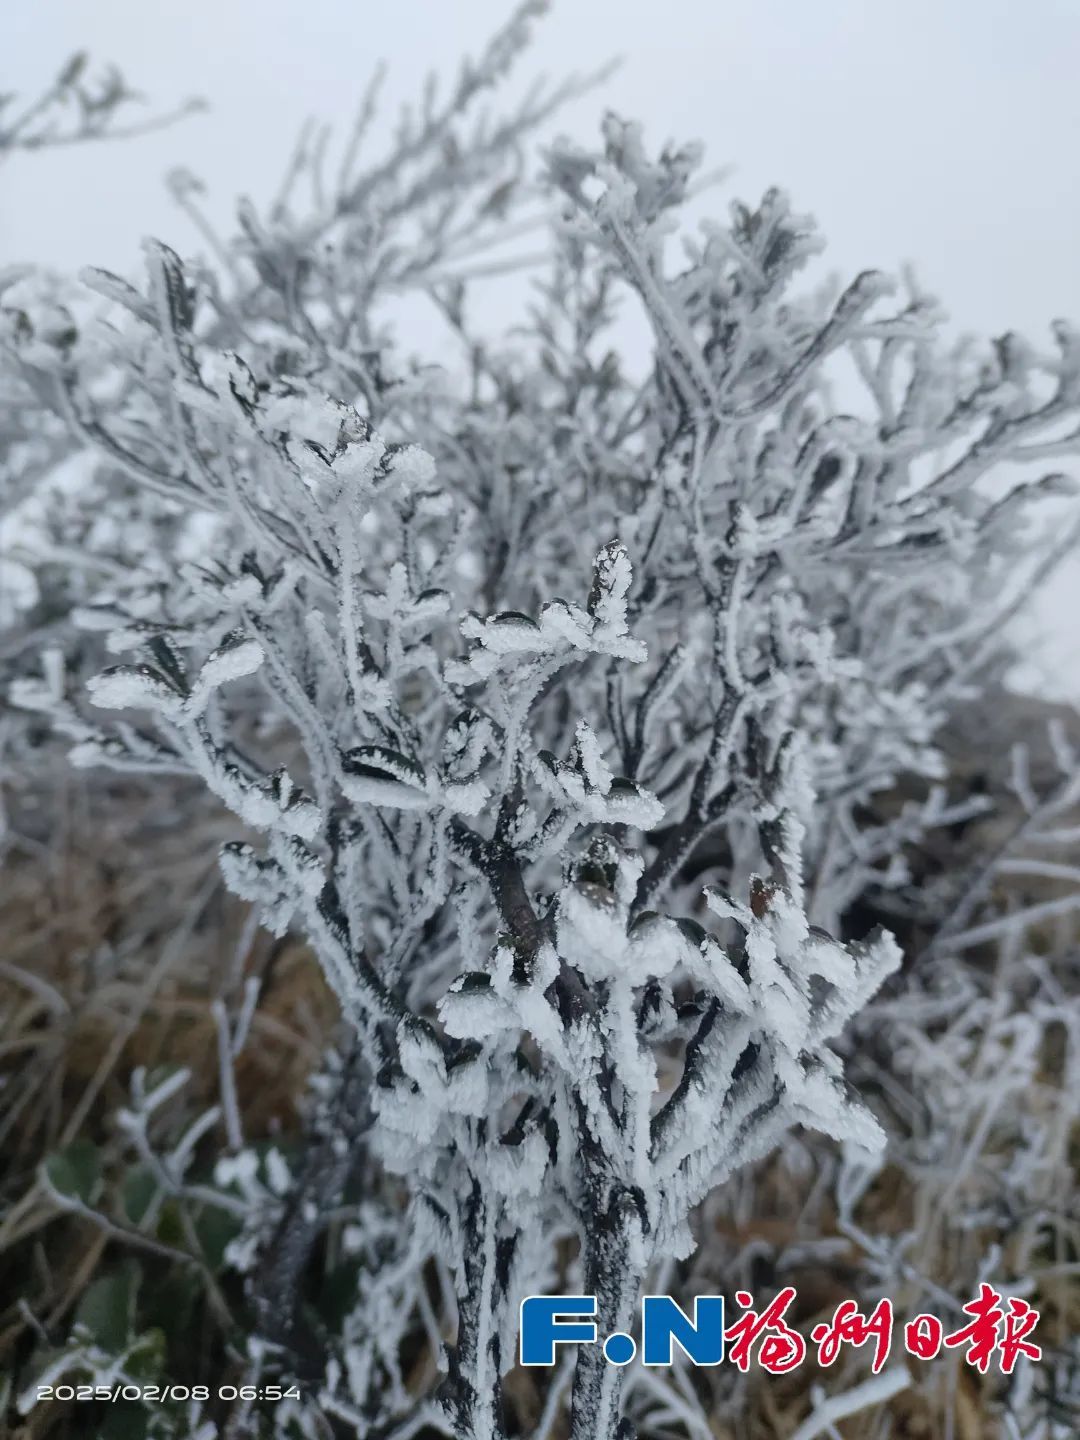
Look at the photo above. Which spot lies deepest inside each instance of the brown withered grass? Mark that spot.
(117, 937)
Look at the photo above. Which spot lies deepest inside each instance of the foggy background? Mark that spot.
(944, 134)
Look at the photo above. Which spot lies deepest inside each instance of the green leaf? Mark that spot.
(146, 1358)
(107, 1309)
(140, 1189)
(170, 1227)
(169, 1306)
(74, 1173)
(215, 1228)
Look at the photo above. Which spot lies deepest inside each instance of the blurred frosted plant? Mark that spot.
(489, 807)
(77, 107)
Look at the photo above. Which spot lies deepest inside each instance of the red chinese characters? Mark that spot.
(996, 1332)
(782, 1348)
(849, 1326)
(923, 1336)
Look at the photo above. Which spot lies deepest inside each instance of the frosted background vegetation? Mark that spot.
(538, 737)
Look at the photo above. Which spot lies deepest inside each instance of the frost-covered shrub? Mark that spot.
(495, 665)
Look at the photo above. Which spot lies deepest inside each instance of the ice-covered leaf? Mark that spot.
(379, 775)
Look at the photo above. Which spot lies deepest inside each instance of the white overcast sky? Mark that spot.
(941, 132)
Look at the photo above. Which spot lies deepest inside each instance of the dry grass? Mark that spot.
(117, 938)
